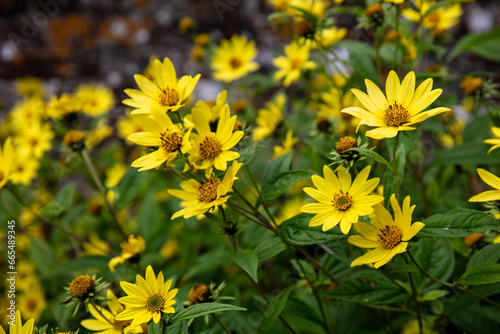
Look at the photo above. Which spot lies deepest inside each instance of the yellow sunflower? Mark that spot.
(494, 141)
(233, 59)
(199, 198)
(6, 161)
(439, 20)
(147, 299)
(326, 37)
(296, 60)
(492, 181)
(32, 303)
(96, 99)
(130, 248)
(19, 328)
(128, 125)
(269, 118)
(213, 148)
(27, 112)
(34, 140)
(401, 109)
(387, 235)
(24, 169)
(104, 321)
(162, 133)
(287, 145)
(165, 91)
(214, 111)
(29, 87)
(341, 200)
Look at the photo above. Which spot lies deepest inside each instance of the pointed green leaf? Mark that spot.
(280, 182)
(274, 310)
(247, 260)
(269, 248)
(372, 155)
(199, 310)
(488, 254)
(484, 273)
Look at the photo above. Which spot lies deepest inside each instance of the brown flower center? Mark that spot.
(342, 201)
(170, 142)
(169, 97)
(235, 63)
(346, 143)
(199, 293)
(210, 148)
(433, 17)
(1, 175)
(294, 63)
(81, 285)
(396, 115)
(207, 190)
(389, 236)
(155, 303)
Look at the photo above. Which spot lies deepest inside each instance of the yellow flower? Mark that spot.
(96, 100)
(164, 92)
(162, 133)
(199, 198)
(402, 107)
(104, 321)
(387, 235)
(147, 299)
(19, 328)
(6, 161)
(32, 303)
(26, 113)
(438, 20)
(130, 248)
(289, 209)
(29, 87)
(94, 240)
(287, 145)
(339, 199)
(99, 134)
(278, 5)
(326, 37)
(233, 59)
(35, 140)
(494, 141)
(215, 111)
(470, 84)
(63, 105)
(291, 66)
(492, 181)
(128, 125)
(269, 118)
(316, 7)
(24, 169)
(213, 148)
(114, 174)
(397, 2)
(334, 101)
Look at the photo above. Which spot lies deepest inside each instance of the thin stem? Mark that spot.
(389, 321)
(396, 185)
(415, 300)
(392, 279)
(455, 286)
(317, 264)
(242, 211)
(254, 182)
(100, 186)
(221, 323)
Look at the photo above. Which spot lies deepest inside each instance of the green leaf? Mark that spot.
(459, 222)
(389, 186)
(484, 273)
(269, 248)
(247, 260)
(296, 231)
(434, 294)
(405, 268)
(274, 310)
(278, 165)
(247, 154)
(148, 217)
(280, 182)
(372, 155)
(199, 310)
(155, 328)
(368, 286)
(436, 257)
(486, 45)
(60, 203)
(466, 153)
(129, 187)
(488, 254)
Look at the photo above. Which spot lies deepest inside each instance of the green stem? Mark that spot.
(317, 264)
(377, 55)
(84, 154)
(455, 286)
(415, 300)
(395, 172)
(221, 323)
(254, 182)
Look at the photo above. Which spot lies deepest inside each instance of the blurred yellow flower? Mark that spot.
(96, 99)
(494, 141)
(99, 134)
(130, 248)
(164, 92)
(63, 105)
(289, 209)
(198, 198)
(212, 146)
(18, 327)
(214, 111)
(489, 195)
(268, 118)
(326, 37)
(402, 107)
(147, 299)
(29, 87)
(24, 169)
(26, 113)
(233, 59)
(291, 66)
(35, 140)
(32, 303)
(128, 125)
(105, 321)
(341, 200)
(94, 240)
(316, 7)
(439, 20)
(287, 145)
(470, 84)
(6, 161)
(387, 235)
(114, 174)
(162, 133)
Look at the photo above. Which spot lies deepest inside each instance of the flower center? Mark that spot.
(1, 175)
(210, 148)
(32, 304)
(169, 97)
(155, 303)
(81, 285)
(294, 63)
(389, 236)
(121, 323)
(235, 63)
(433, 17)
(342, 201)
(207, 190)
(396, 115)
(170, 142)
(346, 143)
